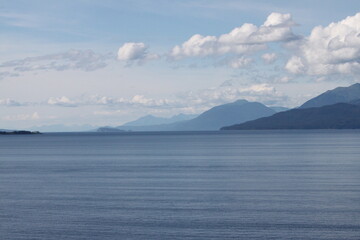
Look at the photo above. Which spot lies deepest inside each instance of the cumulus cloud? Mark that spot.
(132, 51)
(241, 40)
(328, 50)
(84, 60)
(61, 101)
(269, 57)
(135, 52)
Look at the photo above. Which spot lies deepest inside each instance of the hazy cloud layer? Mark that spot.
(27, 117)
(85, 60)
(191, 101)
(22, 117)
(10, 103)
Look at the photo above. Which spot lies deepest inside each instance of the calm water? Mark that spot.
(247, 185)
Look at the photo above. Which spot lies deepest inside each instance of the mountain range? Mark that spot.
(338, 109)
(216, 117)
(336, 116)
(149, 120)
(337, 95)
(213, 119)
(335, 109)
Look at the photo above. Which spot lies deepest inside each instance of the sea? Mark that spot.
(288, 184)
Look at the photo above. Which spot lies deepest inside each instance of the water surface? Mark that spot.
(192, 185)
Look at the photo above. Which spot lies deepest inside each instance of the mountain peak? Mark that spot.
(227, 114)
(240, 102)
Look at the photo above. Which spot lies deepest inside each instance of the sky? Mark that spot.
(103, 63)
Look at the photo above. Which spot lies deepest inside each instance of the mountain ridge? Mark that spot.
(336, 95)
(212, 119)
(149, 120)
(336, 116)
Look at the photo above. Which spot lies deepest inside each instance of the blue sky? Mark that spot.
(108, 62)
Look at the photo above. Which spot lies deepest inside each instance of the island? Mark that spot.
(22, 132)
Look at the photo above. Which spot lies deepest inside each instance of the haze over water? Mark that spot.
(191, 185)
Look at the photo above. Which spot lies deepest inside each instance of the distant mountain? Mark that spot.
(337, 95)
(109, 129)
(149, 120)
(160, 127)
(63, 128)
(279, 109)
(356, 102)
(336, 116)
(6, 130)
(226, 114)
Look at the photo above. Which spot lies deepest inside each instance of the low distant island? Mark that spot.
(22, 132)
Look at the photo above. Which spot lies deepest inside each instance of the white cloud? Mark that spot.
(328, 50)
(241, 40)
(61, 101)
(132, 51)
(295, 65)
(279, 20)
(269, 57)
(135, 51)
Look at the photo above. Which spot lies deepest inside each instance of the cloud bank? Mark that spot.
(196, 100)
(334, 49)
(245, 39)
